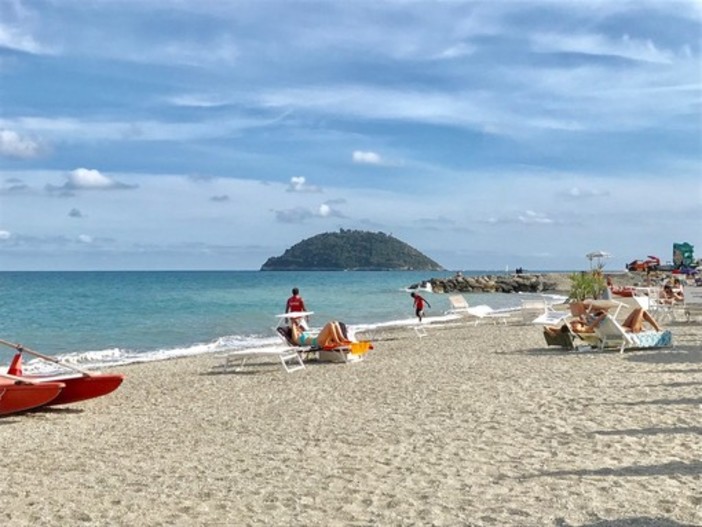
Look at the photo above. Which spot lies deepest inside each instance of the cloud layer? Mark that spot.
(475, 130)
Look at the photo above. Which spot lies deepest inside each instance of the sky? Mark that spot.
(202, 134)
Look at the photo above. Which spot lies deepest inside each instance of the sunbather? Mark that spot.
(671, 296)
(332, 335)
(586, 322)
(634, 323)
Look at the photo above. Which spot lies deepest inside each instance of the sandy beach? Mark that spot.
(470, 425)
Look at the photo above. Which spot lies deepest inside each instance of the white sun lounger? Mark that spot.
(354, 352)
(551, 317)
(612, 335)
(289, 358)
(485, 312)
(459, 305)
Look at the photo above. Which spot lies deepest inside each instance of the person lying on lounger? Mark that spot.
(331, 336)
(587, 320)
(634, 323)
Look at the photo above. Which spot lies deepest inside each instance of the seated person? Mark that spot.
(634, 322)
(671, 296)
(331, 336)
(587, 319)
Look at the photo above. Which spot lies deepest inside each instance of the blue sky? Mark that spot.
(199, 134)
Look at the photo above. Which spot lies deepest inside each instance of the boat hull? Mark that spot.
(82, 388)
(20, 397)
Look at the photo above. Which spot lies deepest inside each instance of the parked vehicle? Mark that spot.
(652, 263)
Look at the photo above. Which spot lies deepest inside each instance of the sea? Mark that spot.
(107, 318)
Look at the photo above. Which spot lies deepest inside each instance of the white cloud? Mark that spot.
(459, 50)
(302, 214)
(366, 158)
(593, 44)
(327, 211)
(5, 235)
(299, 184)
(84, 238)
(530, 217)
(18, 40)
(87, 179)
(583, 193)
(14, 145)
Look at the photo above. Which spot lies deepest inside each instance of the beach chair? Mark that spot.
(459, 305)
(693, 302)
(420, 331)
(611, 334)
(564, 338)
(486, 313)
(290, 359)
(550, 317)
(569, 339)
(352, 352)
(547, 316)
(531, 309)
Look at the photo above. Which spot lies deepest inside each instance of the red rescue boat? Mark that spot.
(78, 386)
(18, 396)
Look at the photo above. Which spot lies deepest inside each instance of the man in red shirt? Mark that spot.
(295, 302)
(419, 302)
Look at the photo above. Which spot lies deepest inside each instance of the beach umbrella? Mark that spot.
(598, 256)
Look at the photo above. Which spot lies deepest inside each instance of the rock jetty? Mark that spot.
(516, 283)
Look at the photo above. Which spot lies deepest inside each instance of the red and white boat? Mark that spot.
(79, 385)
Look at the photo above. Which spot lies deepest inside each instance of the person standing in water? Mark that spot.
(419, 302)
(295, 302)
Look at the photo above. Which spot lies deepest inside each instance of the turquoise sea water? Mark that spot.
(99, 318)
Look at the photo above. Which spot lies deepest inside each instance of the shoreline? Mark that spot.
(477, 425)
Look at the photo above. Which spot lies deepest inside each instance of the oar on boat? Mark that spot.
(74, 387)
(22, 349)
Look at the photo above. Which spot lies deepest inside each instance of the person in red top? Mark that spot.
(295, 302)
(419, 302)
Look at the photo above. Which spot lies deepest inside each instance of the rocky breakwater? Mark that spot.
(517, 283)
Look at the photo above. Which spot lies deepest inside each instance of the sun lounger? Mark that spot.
(563, 339)
(550, 317)
(693, 302)
(351, 352)
(290, 359)
(531, 309)
(485, 312)
(612, 335)
(420, 330)
(459, 305)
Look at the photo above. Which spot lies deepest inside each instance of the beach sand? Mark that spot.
(468, 426)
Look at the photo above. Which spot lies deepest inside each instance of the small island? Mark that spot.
(351, 250)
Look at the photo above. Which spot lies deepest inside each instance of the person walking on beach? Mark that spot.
(419, 302)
